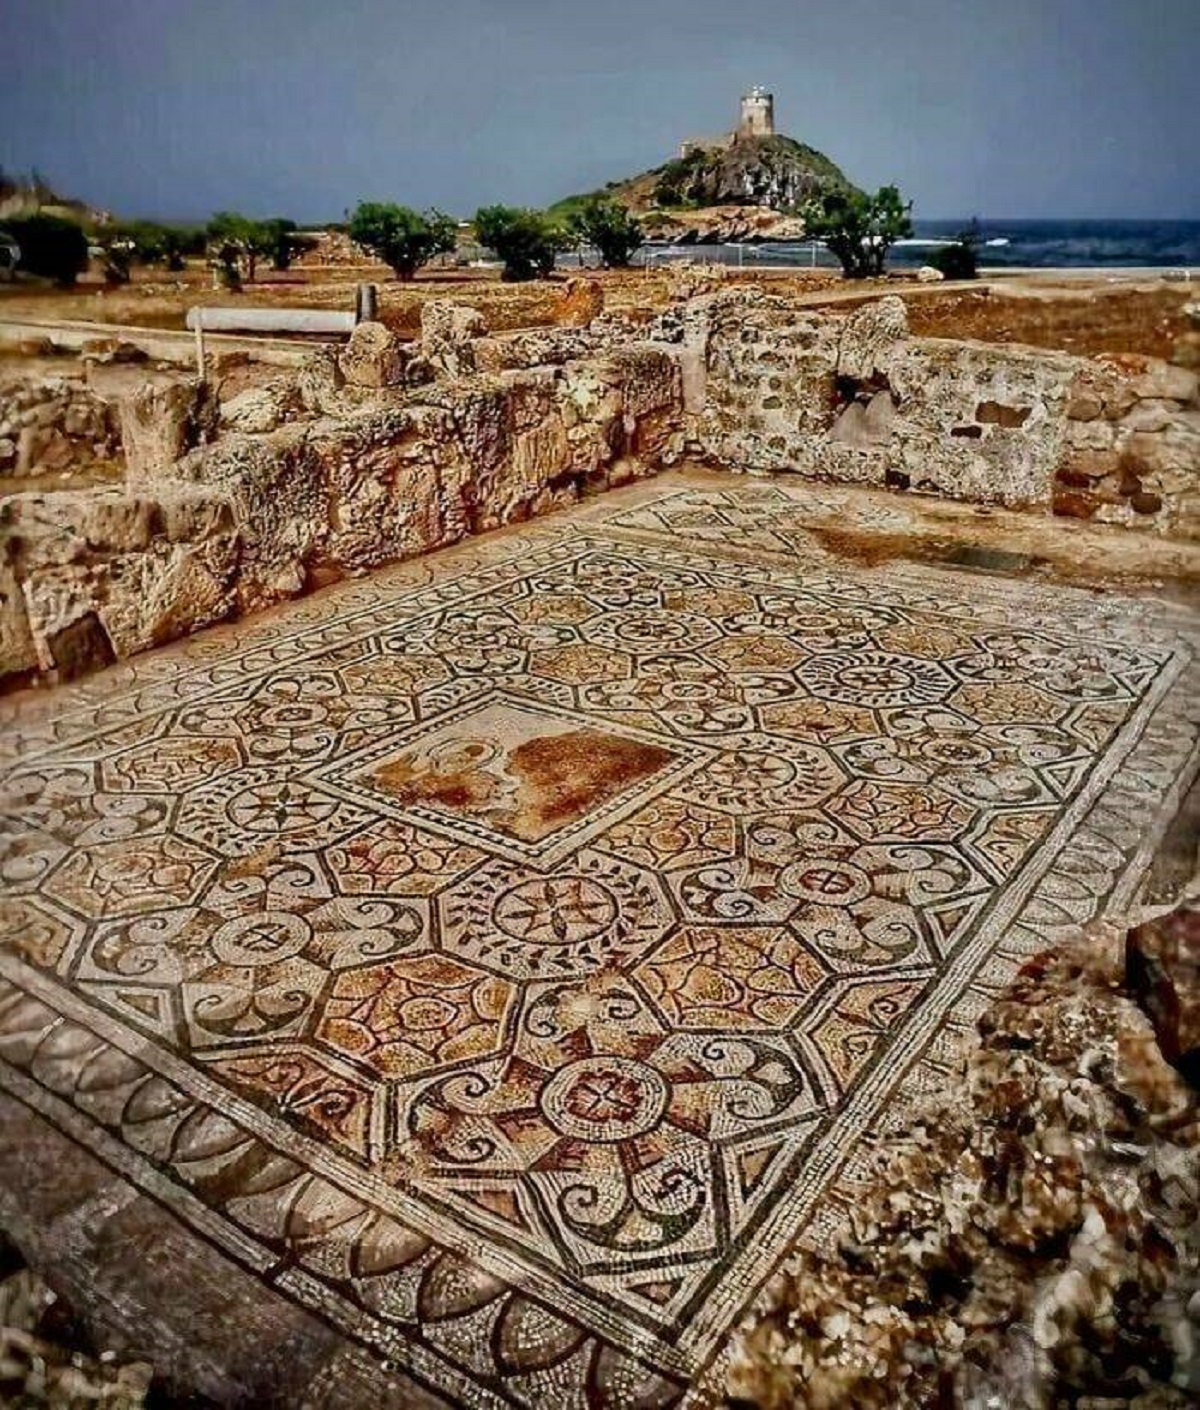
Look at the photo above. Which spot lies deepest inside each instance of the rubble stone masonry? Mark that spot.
(387, 450)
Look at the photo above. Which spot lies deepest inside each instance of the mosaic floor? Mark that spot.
(508, 956)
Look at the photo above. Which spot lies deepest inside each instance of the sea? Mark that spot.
(1003, 244)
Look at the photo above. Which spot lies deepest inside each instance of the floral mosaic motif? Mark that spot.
(901, 811)
(872, 679)
(172, 765)
(732, 978)
(602, 1119)
(596, 913)
(138, 874)
(391, 858)
(414, 1016)
(595, 1039)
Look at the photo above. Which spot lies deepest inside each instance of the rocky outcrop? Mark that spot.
(721, 225)
(1028, 1241)
(747, 188)
(1162, 968)
(776, 172)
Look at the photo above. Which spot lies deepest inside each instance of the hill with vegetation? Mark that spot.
(748, 188)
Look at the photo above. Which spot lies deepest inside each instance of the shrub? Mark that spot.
(281, 241)
(526, 240)
(960, 260)
(677, 178)
(50, 246)
(859, 229)
(605, 223)
(403, 238)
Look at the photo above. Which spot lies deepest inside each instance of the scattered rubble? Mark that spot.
(1031, 1243)
(1162, 968)
(42, 1366)
(53, 423)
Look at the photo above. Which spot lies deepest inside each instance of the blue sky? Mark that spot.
(171, 108)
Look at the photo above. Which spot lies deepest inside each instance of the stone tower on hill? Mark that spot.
(758, 114)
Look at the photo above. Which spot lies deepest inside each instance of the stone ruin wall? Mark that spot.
(855, 399)
(377, 455)
(53, 424)
(389, 450)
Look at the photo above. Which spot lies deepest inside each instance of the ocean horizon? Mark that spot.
(1012, 243)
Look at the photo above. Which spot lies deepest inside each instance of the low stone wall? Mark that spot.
(53, 424)
(89, 576)
(856, 399)
(1131, 451)
(363, 460)
(388, 449)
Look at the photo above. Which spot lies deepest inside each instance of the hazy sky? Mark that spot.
(174, 108)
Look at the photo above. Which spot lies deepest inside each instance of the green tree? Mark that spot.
(252, 239)
(526, 240)
(282, 241)
(147, 242)
(860, 229)
(50, 246)
(402, 238)
(961, 259)
(606, 224)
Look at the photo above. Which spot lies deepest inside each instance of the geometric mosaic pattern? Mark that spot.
(543, 938)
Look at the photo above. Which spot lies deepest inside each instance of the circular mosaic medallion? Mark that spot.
(825, 883)
(875, 678)
(652, 630)
(251, 941)
(603, 1100)
(556, 910)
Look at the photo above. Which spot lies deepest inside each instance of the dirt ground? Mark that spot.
(1139, 318)
(1072, 315)
(155, 300)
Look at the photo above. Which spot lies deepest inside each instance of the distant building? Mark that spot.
(756, 119)
(758, 114)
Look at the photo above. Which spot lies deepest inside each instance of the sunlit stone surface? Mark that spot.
(505, 953)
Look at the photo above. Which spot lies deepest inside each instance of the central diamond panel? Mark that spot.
(523, 781)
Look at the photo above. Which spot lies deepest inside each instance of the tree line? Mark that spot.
(858, 228)
(59, 248)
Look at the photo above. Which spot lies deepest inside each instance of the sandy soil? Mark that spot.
(1140, 318)
(1077, 315)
